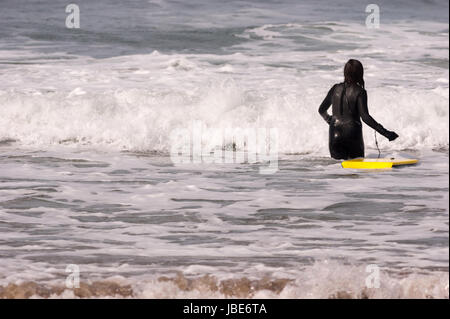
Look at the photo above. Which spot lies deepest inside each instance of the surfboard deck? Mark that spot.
(377, 163)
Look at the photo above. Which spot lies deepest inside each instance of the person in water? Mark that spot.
(349, 100)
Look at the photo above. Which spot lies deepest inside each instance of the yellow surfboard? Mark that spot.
(377, 163)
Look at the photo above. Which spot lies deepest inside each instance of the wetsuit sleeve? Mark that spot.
(326, 105)
(365, 116)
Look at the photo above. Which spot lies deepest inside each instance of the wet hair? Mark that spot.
(354, 72)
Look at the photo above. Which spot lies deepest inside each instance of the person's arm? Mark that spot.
(365, 116)
(326, 105)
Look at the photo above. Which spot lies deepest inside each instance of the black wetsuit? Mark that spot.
(349, 105)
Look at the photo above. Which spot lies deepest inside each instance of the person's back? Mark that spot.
(344, 106)
(349, 105)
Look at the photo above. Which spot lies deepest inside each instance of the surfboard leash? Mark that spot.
(376, 143)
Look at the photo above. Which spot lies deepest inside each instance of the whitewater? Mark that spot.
(86, 176)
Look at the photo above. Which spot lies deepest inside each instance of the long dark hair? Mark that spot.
(354, 72)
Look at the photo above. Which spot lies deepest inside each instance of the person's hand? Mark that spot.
(390, 135)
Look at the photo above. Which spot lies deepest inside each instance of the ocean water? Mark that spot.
(86, 176)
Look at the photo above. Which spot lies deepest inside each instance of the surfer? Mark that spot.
(349, 100)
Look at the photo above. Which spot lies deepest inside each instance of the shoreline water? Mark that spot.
(342, 282)
(139, 226)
